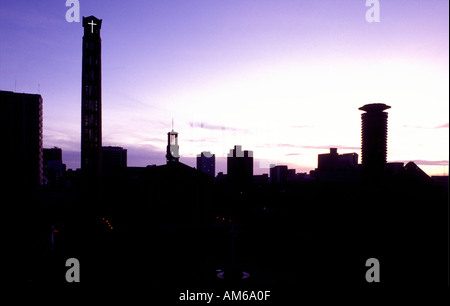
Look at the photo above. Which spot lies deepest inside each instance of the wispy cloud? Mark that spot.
(443, 126)
(285, 145)
(61, 138)
(201, 140)
(301, 126)
(31, 17)
(322, 147)
(154, 139)
(127, 98)
(331, 146)
(209, 126)
(422, 162)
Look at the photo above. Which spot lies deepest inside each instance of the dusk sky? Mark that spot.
(283, 78)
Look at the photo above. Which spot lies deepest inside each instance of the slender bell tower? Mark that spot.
(172, 155)
(91, 107)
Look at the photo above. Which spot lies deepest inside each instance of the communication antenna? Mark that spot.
(172, 124)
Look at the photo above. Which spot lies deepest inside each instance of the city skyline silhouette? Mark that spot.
(239, 196)
(176, 69)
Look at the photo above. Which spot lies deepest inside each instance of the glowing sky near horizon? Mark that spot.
(283, 78)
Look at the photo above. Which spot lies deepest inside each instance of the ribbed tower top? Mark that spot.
(374, 107)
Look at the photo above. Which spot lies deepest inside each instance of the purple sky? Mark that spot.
(282, 78)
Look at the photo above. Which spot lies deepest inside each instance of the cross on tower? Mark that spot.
(92, 26)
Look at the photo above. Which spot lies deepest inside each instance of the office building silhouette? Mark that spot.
(21, 122)
(52, 154)
(54, 168)
(114, 158)
(91, 105)
(374, 128)
(337, 167)
(333, 161)
(279, 174)
(240, 166)
(206, 163)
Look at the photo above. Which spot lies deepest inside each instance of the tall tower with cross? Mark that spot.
(91, 107)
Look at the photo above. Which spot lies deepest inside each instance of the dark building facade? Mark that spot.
(114, 158)
(21, 122)
(240, 166)
(206, 163)
(374, 129)
(54, 168)
(278, 174)
(91, 104)
(179, 194)
(281, 174)
(337, 167)
(333, 161)
(52, 154)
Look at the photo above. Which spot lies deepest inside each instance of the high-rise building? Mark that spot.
(91, 105)
(337, 167)
(333, 161)
(21, 123)
(374, 129)
(240, 166)
(278, 174)
(206, 163)
(52, 154)
(114, 158)
(54, 168)
(281, 174)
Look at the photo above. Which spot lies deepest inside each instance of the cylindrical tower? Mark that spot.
(374, 128)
